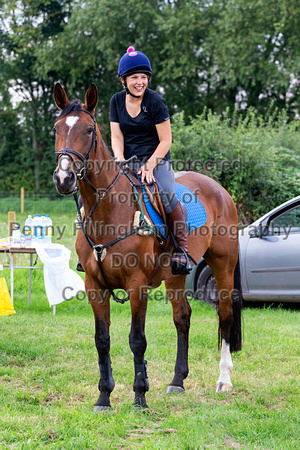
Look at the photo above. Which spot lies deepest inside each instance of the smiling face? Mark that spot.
(137, 83)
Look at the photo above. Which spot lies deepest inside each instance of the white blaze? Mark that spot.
(70, 121)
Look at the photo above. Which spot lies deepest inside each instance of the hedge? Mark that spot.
(256, 160)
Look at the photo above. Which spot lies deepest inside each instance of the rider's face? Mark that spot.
(137, 83)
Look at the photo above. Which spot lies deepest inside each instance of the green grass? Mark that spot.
(35, 203)
(49, 377)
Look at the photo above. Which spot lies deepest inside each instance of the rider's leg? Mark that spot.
(176, 220)
(165, 179)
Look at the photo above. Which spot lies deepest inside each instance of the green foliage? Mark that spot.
(256, 160)
(204, 54)
(214, 56)
(10, 149)
(25, 26)
(256, 52)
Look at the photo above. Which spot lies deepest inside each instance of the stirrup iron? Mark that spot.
(179, 268)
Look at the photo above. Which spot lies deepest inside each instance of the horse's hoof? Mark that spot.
(223, 387)
(139, 405)
(102, 408)
(174, 390)
(143, 408)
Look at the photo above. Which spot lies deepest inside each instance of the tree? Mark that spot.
(97, 35)
(24, 27)
(257, 53)
(204, 55)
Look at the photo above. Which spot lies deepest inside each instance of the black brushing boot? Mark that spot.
(79, 267)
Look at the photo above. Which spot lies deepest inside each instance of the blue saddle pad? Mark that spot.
(196, 214)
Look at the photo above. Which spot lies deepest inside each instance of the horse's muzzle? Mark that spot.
(65, 181)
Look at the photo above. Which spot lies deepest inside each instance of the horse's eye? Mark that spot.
(53, 130)
(90, 131)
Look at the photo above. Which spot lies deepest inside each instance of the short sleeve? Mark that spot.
(113, 111)
(159, 109)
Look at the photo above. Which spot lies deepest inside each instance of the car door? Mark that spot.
(272, 261)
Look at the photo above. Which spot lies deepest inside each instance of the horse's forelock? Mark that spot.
(75, 105)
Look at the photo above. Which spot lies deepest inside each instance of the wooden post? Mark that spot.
(11, 219)
(22, 200)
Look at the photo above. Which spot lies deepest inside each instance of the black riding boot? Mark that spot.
(180, 263)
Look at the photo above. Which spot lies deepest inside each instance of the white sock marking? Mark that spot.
(225, 364)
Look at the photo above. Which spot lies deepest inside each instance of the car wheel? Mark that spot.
(206, 288)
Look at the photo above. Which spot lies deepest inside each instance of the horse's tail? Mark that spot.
(237, 304)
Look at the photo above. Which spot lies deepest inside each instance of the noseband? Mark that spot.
(69, 151)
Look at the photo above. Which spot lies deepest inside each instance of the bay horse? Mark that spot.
(84, 160)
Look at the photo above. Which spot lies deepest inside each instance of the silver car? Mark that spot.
(269, 254)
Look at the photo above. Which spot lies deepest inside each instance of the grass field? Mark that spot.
(49, 377)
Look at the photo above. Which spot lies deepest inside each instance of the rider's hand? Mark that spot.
(146, 173)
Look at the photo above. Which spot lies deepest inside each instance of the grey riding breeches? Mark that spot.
(165, 180)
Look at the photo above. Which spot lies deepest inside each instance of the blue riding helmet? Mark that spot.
(134, 62)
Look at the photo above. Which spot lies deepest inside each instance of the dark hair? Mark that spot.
(75, 105)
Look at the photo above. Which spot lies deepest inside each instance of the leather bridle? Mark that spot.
(81, 172)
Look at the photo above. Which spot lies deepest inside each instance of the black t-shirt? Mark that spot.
(140, 135)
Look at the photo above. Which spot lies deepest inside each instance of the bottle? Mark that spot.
(16, 237)
(23, 240)
(36, 226)
(28, 231)
(43, 228)
(48, 230)
(40, 230)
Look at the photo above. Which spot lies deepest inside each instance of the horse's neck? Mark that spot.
(103, 168)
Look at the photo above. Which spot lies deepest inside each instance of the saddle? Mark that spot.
(154, 198)
(152, 195)
(154, 205)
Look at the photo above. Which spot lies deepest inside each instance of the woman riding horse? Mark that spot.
(83, 160)
(140, 126)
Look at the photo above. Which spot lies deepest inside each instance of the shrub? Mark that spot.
(256, 160)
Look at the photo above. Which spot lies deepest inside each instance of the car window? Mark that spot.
(289, 220)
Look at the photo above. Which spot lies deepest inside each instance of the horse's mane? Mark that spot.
(74, 105)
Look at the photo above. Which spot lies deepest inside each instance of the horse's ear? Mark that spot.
(60, 96)
(91, 97)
